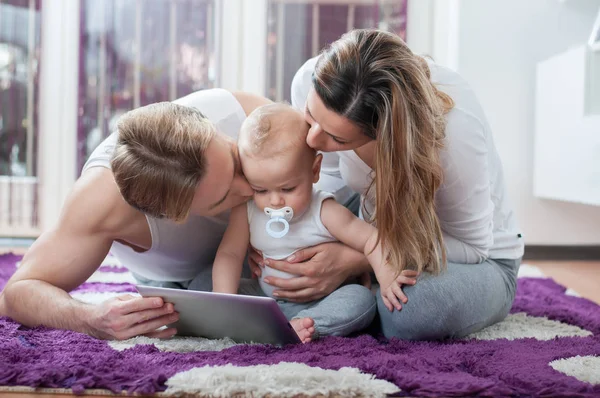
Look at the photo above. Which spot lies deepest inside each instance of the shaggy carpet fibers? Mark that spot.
(548, 346)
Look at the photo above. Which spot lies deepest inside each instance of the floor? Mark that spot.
(581, 276)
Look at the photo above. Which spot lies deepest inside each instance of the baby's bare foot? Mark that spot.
(304, 327)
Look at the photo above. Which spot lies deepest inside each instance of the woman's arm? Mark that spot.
(322, 269)
(464, 203)
(227, 268)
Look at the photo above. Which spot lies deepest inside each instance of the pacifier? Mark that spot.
(279, 216)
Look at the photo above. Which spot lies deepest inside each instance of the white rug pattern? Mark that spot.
(286, 379)
(293, 379)
(583, 368)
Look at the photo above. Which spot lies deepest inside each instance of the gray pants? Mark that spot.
(462, 300)
(349, 309)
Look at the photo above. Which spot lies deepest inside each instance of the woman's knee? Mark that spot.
(428, 315)
(442, 321)
(407, 324)
(444, 306)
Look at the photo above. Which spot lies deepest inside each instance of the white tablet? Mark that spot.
(242, 318)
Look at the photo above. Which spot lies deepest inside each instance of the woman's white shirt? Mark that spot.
(475, 214)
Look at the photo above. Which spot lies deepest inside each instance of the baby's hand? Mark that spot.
(391, 288)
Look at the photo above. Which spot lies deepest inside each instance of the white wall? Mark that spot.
(242, 45)
(57, 166)
(500, 42)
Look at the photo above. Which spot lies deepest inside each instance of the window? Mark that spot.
(134, 53)
(19, 58)
(298, 30)
(102, 58)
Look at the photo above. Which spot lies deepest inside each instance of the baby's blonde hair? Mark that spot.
(273, 129)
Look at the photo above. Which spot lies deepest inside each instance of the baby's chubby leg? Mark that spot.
(349, 309)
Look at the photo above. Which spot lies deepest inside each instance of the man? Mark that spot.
(156, 194)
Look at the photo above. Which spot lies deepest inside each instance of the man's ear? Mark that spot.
(316, 168)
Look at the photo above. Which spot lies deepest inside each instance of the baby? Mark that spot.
(287, 214)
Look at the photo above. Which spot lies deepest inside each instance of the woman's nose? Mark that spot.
(314, 136)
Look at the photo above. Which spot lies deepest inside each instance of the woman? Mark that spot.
(412, 139)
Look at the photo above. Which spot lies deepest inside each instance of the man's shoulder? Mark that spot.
(96, 199)
(219, 106)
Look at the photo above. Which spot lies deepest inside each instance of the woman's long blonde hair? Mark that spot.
(374, 80)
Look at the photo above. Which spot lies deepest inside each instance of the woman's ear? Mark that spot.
(316, 168)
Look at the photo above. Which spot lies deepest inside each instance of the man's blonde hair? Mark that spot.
(160, 158)
(273, 129)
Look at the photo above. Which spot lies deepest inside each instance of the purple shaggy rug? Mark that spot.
(548, 346)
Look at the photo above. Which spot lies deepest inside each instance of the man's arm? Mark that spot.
(62, 258)
(227, 268)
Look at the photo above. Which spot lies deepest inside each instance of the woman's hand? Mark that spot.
(391, 287)
(321, 269)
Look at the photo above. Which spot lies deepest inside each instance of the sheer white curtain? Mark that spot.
(19, 77)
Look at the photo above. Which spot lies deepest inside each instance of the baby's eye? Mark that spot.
(288, 189)
(259, 191)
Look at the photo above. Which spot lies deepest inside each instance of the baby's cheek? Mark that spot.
(301, 203)
(259, 201)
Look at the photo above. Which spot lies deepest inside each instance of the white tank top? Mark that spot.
(305, 231)
(179, 251)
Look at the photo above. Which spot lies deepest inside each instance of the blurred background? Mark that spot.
(70, 68)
